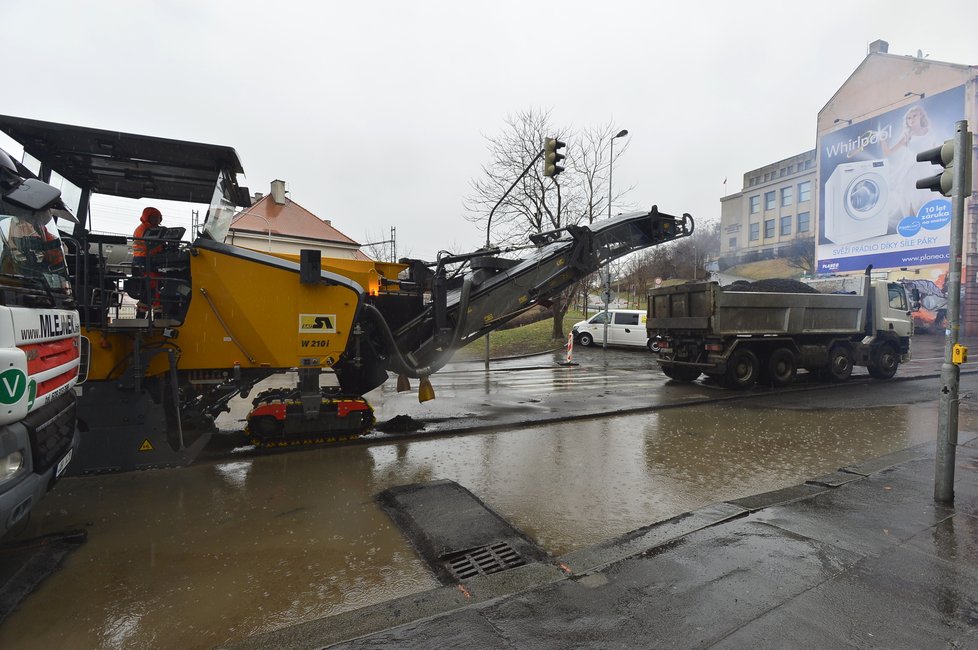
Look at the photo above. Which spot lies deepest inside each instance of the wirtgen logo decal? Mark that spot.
(317, 323)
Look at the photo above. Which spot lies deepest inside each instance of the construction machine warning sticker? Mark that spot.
(146, 446)
(317, 323)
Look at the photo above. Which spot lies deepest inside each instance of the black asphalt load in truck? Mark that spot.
(740, 338)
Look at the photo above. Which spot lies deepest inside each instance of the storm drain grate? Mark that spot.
(483, 560)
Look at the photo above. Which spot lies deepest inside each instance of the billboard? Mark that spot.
(870, 211)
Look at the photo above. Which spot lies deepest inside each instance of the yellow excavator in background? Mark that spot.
(219, 318)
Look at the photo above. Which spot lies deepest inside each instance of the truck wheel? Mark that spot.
(840, 363)
(781, 367)
(742, 369)
(586, 339)
(681, 373)
(885, 363)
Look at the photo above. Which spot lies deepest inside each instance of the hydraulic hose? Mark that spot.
(398, 363)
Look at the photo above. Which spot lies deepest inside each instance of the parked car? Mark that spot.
(626, 327)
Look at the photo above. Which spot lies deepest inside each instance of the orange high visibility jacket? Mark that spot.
(150, 218)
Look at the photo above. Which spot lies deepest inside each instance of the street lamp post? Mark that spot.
(268, 227)
(607, 266)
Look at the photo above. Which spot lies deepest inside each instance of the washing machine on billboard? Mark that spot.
(857, 196)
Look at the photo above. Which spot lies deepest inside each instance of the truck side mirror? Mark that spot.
(914, 299)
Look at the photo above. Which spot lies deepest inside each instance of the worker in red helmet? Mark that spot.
(141, 253)
(151, 218)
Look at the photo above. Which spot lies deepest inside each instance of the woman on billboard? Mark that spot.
(917, 136)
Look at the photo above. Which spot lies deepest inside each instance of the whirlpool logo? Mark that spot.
(859, 143)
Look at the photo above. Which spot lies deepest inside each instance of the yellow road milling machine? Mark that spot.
(215, 319)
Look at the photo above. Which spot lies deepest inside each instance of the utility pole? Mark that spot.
(607, 267)
(551, 156)
(955, 181)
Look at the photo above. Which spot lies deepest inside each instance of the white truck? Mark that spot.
(742, 337)
(40, 345)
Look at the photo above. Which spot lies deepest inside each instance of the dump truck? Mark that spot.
(224, 318)
(741, 337)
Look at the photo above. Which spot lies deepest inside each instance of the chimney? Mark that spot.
(257, 197)
(879, 46)
(278, 192)
(328, 222)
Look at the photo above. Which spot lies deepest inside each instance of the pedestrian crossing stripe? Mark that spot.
(146, 446)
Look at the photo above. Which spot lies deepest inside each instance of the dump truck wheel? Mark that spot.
(742, 369)
(885, 362)
(840, 364)
(781, 367)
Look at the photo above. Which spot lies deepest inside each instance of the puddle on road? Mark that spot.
(196, 557)
(191, 558)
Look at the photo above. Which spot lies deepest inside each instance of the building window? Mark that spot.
(755, 231)
(768, 228)
(804, 191)
(808, 164)
(755, 204)
(783, 172)
(803, 222)
(769, 200)
(791, 169)
(787, 195)
(732, 243)
(785, 226)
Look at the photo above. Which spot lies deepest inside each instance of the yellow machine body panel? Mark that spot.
(108, 354)
(257, 315)
(242, 312)
(366, 273)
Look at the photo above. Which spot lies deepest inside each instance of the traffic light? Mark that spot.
(944, 156)
(552, 156)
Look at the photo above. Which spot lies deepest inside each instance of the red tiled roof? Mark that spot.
(289, 220)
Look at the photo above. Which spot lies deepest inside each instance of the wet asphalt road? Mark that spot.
(227, 549)
(538, 390)
(860, 558)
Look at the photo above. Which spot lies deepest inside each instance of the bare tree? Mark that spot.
(593, 164)
(800, 254)
(685, 258)
(538, 203)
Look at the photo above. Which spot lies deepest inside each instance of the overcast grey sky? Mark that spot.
(375, 112)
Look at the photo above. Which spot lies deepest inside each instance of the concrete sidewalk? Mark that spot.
(861, 558)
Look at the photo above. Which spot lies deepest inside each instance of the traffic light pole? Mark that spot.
(493, 211)
(947, 430)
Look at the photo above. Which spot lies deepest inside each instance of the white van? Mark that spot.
(625, 327)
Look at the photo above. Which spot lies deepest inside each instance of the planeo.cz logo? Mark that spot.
(13, 386)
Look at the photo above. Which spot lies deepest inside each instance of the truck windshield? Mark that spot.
(31, 248)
